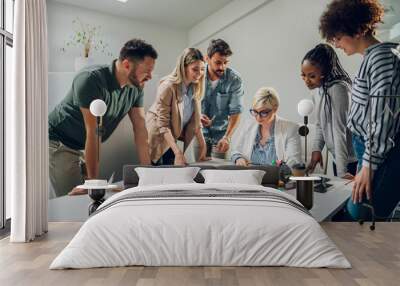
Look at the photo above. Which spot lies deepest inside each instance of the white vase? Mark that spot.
(81, 62)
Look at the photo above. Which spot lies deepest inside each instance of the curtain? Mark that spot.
(26, 123)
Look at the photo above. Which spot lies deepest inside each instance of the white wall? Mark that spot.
(269, 44)
(169, 43)
(268, 37)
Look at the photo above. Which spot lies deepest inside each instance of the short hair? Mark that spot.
(137, 50)
(350, 17)
(266, 97)
(219, 46)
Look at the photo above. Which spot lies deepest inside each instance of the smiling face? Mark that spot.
(346, 43)
(217, 64)
(139, 72)
(311, 75)
(194, 71)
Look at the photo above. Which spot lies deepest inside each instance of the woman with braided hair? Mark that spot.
(320, 68)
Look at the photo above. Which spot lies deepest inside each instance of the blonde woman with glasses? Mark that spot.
(267, 139)
(175, 115)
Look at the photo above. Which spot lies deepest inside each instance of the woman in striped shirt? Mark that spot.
(321, 69)
(350, 25)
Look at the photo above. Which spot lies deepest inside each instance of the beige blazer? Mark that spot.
(165, 114)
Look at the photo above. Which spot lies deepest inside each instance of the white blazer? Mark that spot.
(287, 140)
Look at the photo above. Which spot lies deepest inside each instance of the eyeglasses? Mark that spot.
(262, 113)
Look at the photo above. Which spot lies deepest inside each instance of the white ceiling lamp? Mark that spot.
(123, 1)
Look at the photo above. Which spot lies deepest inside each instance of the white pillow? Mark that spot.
(166, 176)
(248, 177)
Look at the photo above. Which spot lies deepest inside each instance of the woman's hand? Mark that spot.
(362, 185)
(316, 157)
(241, 162)
(180, 159)
(348, 176)
(203, 153)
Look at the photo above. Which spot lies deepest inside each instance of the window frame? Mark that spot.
(6, 39)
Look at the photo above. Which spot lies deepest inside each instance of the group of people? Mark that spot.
(357, 121)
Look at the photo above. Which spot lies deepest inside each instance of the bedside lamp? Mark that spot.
(305, 185)
(305, 108)
(98, 108)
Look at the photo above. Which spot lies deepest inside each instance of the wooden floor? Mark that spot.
(375, 257)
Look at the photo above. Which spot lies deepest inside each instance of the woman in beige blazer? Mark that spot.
(175, 115)
(267, 138)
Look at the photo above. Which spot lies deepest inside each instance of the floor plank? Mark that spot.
(374, 255)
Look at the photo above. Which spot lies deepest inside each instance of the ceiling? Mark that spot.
(181, 14)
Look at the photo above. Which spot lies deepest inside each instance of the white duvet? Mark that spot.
(192, 231)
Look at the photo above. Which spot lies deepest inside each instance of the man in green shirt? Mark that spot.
(72, 127)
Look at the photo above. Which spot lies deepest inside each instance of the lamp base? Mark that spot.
(305, 193)
(97, 195)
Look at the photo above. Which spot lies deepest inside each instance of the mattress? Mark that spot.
(201, 225)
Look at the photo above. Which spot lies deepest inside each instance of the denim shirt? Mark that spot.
(226, 99)
(264, 154)
(187, 95)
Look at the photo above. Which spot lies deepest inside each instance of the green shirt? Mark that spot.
(66, 122)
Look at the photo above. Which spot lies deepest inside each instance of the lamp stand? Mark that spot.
(303, 131)
(97, 195)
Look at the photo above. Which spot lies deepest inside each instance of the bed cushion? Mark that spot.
(166, 176)
(270, 179)
(247, 177)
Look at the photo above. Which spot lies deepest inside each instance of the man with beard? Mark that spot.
(222, 103)
(72, 128)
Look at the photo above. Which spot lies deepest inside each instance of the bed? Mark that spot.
(197, 224)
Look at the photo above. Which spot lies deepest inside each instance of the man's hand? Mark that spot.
(316, 157)
(205, 120)
(223, 145)
(362, 185)
(180, 160)
(77, 192)
(241, 162)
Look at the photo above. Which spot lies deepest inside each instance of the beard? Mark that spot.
(219, 73)
(133, 80)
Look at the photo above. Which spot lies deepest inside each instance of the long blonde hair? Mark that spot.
(189, 56)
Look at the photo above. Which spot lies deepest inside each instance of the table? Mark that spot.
(326, 205)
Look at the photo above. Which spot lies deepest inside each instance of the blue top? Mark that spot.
(262, 154)
(226, 99)
(187, 95)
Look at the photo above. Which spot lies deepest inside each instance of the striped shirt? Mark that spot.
(379, 75)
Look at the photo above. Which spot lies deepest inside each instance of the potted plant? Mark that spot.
(87, 37)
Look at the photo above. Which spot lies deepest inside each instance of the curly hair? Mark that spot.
(350, 17)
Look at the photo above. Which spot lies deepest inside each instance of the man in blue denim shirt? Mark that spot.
(222, 102)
